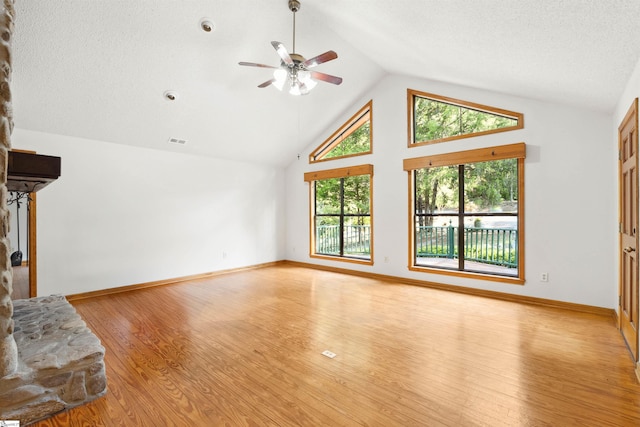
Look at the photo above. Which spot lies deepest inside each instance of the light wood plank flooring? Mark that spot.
(245, 349)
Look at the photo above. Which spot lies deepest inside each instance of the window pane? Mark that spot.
(352, 138)
(491, 187)
(356, 195)
(435, 120)
(491, 245)
(478, 121)
(328, 196)
(480, 236)
(356, 142)
(357, 236)
(328, 235)
(343, 219)
(436, 190)
(437, 243)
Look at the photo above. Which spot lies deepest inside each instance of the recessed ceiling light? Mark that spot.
(171, 95)
(207, 25)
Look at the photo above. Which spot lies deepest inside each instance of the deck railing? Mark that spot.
(357, 239)
(496, 246)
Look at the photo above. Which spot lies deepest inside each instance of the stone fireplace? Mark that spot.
(60, 361)
(49, 360)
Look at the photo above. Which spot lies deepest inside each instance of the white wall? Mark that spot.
(570, 185)
(121, 215)
(631, 92)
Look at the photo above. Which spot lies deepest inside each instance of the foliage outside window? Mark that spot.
(434, 118)
(466, 215)
(352, 139)
(341, 223)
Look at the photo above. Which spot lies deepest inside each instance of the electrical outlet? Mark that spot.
(386, 259)
(544, 277)
(329, 354)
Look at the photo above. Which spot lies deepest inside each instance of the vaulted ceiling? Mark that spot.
(99, 69)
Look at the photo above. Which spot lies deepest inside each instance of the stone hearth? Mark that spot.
(60, 363)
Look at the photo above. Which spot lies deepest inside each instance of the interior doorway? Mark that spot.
(22, 234)
(628, 188)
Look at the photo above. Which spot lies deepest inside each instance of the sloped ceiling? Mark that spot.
(99, 69)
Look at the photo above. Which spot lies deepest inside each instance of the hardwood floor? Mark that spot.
(245, 349)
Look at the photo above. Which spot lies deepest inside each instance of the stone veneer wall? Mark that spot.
(8, 349)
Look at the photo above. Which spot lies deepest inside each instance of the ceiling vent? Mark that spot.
(177, 141)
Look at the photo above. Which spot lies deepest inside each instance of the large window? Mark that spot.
(352, 138)
(466, 213)
(435, 118)
(341, 223)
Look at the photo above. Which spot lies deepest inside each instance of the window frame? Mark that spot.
(412, 94)
(511, 151)
(363, 115)
(310, 178)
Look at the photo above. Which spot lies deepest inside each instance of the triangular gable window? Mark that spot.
(437, 118)
(352, 139)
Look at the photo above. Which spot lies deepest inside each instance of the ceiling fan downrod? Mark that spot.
(294, 6)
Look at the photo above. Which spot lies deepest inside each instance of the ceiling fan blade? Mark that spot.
(326, 77)
(253, 64)
(267, 83)
(282, 52)
(320, 59)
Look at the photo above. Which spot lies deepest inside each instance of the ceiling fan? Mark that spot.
(294, 69)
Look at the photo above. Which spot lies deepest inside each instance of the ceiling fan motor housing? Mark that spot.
(297, 59)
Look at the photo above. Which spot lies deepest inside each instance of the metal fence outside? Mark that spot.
(496, 246)
(357, 239)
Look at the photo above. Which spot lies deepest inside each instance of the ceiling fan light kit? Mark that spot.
(294, 68)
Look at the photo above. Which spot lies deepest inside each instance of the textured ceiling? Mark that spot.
(98, 69)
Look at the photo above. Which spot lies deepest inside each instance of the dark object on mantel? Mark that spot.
(29, 172)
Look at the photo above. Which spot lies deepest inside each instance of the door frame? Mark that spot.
(31, 241)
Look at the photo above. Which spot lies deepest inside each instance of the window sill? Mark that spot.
(470, 275)
(343, 259)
